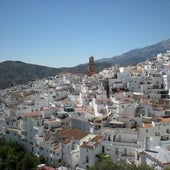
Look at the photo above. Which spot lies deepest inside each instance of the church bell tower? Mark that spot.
(91, 66)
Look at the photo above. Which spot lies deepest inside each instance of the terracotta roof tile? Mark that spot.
(92, 144)
(164, 119)
(72, 133)
(32, 114)
(147, 125)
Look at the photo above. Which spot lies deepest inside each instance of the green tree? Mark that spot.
(11, 162)
(13, 157)
(111, 165)
(41, 159)
(167, 168)
(29, 162)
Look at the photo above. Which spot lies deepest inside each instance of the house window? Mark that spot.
(137, 157)
(109, 138)
(116, 151)
(125, 151)
(114, 137)
(87, 159)
(103, 149)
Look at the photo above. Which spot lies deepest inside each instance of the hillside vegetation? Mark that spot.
(16, 72)
(14, 157)
(110, 165)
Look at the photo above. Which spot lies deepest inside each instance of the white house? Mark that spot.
(89, 151)
(71, 139)
(120, 143)
(153, 154)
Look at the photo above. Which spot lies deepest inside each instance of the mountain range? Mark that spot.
(18, 72)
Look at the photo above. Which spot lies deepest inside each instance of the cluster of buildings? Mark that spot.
(76, 120)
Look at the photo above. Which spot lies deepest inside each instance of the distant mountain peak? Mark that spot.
(21, 73)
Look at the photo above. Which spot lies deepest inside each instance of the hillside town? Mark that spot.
(75, 120)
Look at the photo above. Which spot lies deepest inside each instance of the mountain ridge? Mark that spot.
(153, 50)
(18, 72)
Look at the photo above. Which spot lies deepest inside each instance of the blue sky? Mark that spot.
(65, 33)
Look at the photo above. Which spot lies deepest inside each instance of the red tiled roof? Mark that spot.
(32, 114)
(92, 144)
(164, 119)
(52, 108)
(65, 141)
(72, 133)
(147, 125)
(49, 168)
